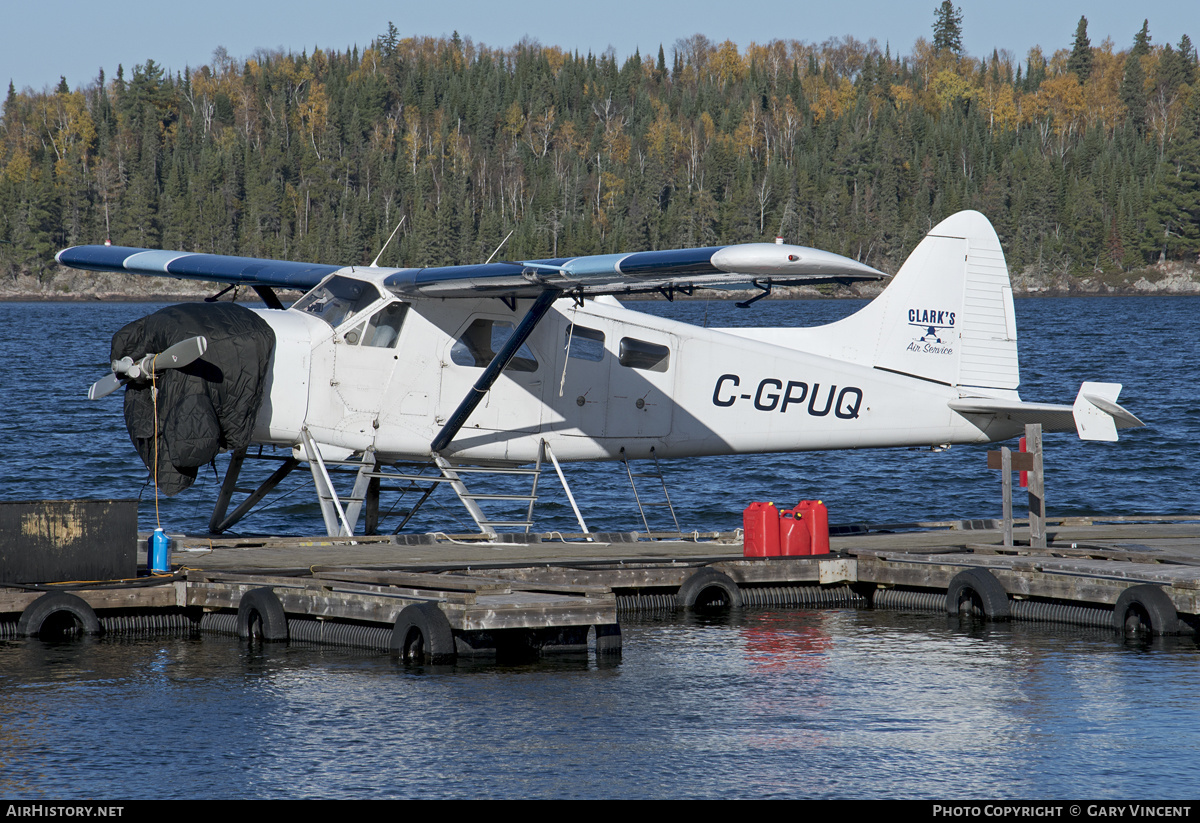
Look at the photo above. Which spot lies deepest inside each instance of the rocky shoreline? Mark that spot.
(68, 285)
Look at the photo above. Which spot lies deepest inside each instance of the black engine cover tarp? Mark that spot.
(208, 405)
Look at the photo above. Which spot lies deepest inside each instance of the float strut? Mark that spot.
(217, 525)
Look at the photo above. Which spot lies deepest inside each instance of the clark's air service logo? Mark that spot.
(935, 329)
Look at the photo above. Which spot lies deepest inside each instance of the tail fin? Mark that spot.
(1095, 415)
(947, 316)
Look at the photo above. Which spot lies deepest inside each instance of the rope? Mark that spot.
(154, 401)
(567, 348)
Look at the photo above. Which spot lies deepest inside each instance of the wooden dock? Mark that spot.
(437, 597)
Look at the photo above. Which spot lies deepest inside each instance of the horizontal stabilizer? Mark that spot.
(1052, 416)
(1095, 415)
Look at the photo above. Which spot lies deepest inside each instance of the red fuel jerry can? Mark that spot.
(816, 515)
(794, 538)
(760, 529)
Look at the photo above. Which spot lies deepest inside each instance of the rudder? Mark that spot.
(947, 316)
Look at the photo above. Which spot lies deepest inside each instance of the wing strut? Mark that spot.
(525, 328)
(268, 296)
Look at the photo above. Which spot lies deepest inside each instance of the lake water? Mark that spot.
(56, 443)
(768, 703)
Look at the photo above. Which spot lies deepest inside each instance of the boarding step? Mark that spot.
(474, 496)
(494, 470)
(488, 524)
(656, 474)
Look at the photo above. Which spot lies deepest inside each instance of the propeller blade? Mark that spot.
(174, 357)
(181, 354)
(104, 386)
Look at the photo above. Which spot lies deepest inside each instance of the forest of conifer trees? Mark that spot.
(1087, 160)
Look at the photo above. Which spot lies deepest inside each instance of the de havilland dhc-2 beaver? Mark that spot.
(500, 365)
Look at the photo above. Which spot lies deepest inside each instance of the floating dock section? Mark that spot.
(438, 597)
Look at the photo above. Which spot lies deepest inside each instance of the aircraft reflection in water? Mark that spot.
(505, 364)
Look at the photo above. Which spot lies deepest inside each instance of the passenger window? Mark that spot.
(638, 354)
(482, 339)
(585, 344)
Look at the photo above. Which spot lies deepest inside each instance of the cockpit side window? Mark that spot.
(337, 298)
(381, 331)
(482, 339)
(384, 327)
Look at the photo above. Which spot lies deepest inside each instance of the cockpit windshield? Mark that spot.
(337, 298)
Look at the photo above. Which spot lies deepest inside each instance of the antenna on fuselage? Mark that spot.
(497, 251)
(375, 262)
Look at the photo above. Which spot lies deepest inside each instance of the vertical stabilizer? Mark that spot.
(947, 316)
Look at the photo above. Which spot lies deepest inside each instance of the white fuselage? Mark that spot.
(631, 381)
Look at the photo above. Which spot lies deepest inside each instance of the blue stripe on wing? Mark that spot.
(506, 276)
(601, 270)
(671, 261)
(250, 270)
(98, 258)
(479, 271)
(214, 267)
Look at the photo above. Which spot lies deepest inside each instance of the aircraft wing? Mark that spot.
(717, 266)
(711, 267)
(218, 268)
(1095, 414)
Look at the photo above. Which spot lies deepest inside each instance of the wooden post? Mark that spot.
(1037, 487)
(1008, 461)
(1006, 492)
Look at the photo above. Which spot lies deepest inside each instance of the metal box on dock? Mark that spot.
(47, 541)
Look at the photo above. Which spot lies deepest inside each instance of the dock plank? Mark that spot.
(168, 595)
(486, 586)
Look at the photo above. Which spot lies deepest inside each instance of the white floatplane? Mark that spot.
(504, 364)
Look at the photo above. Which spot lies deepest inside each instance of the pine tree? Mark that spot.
(1174, 224)
(1133, 85)
(388, 41)
(1172, 71)
(1141, 41)
(1080, 61)
(1187, 53)
(947, 28)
